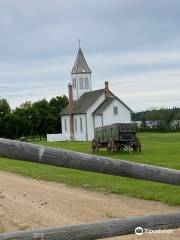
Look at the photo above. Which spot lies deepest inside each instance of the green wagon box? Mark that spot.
(117, 136)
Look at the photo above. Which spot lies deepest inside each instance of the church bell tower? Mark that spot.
(81, 76)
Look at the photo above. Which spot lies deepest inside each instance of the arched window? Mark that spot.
(74, 83)
(75, 123)
(86, 83)
(81, 83)
(81, 126)
(65, 125)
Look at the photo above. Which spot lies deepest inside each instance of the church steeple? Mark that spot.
(80, 65)
(81, 76)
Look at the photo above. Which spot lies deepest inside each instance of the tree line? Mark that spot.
(42, 117)
(31, 119)
(163, 119)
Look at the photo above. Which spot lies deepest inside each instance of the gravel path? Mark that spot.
(28, 203)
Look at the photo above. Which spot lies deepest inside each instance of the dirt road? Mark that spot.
(28, 203)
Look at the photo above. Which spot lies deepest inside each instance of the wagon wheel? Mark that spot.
(136, 145)
(113, 146)
(118, 147)
(121, 147)
(95, 145)
(110, 146)
(128, 147)
(139, 145)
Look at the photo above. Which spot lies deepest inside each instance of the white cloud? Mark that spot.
(35, 79)
(136, 58)
(152, 89)
(133, 44)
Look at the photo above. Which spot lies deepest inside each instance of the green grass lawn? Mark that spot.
(161, 149)
(158, 149)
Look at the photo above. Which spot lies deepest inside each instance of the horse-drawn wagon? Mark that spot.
(116, 137)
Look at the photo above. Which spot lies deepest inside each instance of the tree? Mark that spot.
(45, 120)
(31, 119)
(159, 119)
(4, 110)
(56, 105)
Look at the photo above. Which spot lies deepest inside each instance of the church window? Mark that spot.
(86, 81)
(65, 125)
(81, 83)
(81, 127)
(75, 123)
(115, 110)
(74, 83)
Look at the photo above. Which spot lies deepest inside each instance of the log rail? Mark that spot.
(87, 162)
(102, 229)
(99, 230)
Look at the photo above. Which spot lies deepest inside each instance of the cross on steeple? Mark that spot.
(79, 42)
(81, 75)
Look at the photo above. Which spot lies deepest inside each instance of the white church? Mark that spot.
(88, 108)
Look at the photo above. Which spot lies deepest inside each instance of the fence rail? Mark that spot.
(64, 158)
(97, 230)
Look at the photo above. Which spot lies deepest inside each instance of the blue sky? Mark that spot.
(133, 44)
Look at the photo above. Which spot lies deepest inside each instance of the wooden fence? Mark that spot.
(87, 162)
(97, 230)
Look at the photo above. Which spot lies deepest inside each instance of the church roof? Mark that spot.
(80, 65)
(100, 109)
(104, 105)
(84, 102)
(88, 99)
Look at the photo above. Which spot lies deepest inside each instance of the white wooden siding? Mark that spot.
(66, 133)
(78, 134)
(123, 116)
